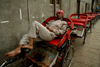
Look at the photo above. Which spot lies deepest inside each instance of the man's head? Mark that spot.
(60, 14)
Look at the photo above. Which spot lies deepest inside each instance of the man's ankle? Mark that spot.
(30, 44)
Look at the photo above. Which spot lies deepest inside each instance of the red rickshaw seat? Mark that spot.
(79, 20)
(79, 24)
(54, 42)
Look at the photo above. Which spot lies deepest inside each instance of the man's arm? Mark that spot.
(60, 31)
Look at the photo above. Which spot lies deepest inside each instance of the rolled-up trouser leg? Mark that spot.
(24, 40)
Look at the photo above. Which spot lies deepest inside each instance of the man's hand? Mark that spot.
(51, 30)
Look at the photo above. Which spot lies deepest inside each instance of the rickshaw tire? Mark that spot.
(67, 59)
(84, 37)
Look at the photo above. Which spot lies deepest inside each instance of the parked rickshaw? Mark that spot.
(80, 25)
(93, 17)
(46, 54)
(83, 23)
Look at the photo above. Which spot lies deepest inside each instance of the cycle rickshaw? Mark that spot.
(80, 25)
(83, 23)
(46, 54)
(93, 18)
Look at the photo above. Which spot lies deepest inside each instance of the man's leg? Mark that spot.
(43, 33)
(30, 44)
(23, 41)
(14, 52)
(18, 49)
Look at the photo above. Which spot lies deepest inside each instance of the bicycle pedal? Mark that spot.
(25, 50)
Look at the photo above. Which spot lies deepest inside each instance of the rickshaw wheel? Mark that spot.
(84, 36)
(67, 59)
(91, 27)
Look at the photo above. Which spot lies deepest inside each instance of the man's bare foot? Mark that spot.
(13, 53)
(28, 46)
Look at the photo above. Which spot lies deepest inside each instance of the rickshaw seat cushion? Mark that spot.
(79, 20)
(94, 17)
(54, 42)
(79, 24)
(90, 17)
(86, 19)
(83, 17)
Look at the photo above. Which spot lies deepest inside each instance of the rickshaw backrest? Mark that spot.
(76, 15)
(78, 20)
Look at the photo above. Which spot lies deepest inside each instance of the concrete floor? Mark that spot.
(88, 55)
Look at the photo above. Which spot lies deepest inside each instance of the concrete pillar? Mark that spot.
(82, 7)
(95, 5)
